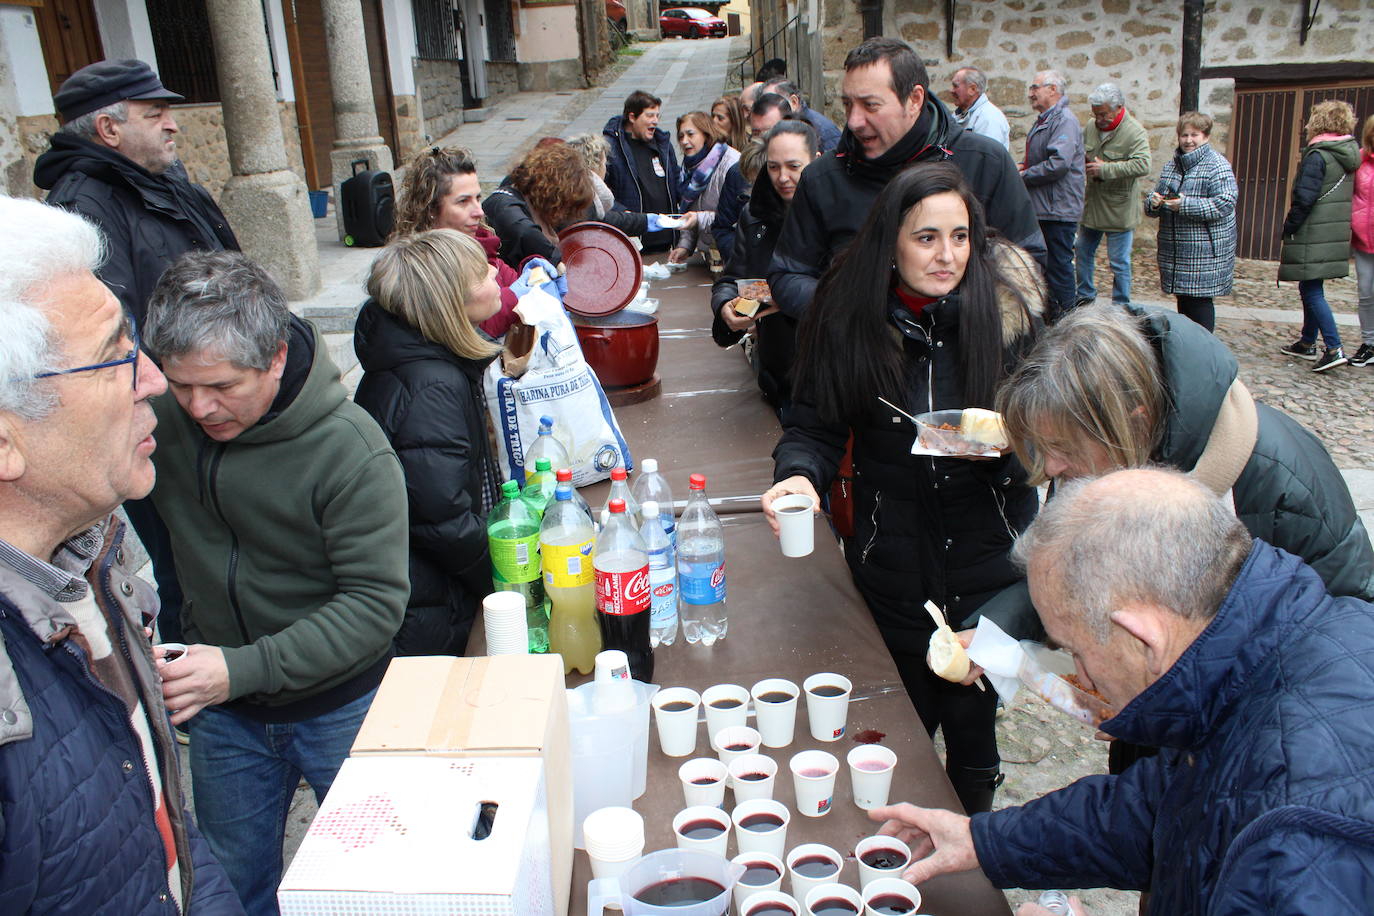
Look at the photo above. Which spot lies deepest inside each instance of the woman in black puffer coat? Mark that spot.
(423, 358)
(928, 312)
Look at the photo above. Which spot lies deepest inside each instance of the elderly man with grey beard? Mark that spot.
(1230, 655)
(91, 811)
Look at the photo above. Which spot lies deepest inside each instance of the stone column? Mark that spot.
(265, 201)
(356, 135)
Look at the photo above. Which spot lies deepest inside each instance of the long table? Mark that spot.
(788, 617)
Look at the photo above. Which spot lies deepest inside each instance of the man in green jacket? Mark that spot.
(287, 511)
(1117, 156)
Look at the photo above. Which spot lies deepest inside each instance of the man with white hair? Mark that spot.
(1116, 155)
(91, 811)
(1053, 173)
(1230, 655)
(974, 110)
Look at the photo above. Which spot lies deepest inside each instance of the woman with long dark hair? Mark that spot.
(926, 312)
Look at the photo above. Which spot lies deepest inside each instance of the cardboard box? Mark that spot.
(502, 706)
(425, 835)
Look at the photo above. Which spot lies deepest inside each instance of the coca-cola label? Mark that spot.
(623, 593)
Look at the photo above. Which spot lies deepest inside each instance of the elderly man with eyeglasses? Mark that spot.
(91, 810)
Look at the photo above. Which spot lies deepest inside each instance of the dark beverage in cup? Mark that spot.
(815, 867)
(705, 781)
(684, 891)
(761, 822)
(725, 703)
(738, 746)
(834, 906)
(884, 858)
(702, 829)
(891, 905)
(752, 777)
(676, 706)
(775, 696)
(759, 874)
(827, 690)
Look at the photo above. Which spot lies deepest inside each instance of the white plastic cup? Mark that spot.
(771, 839)
(776, 722)
(614, 839)
(899, 852)
(760, 860)
(827, 714)
(735, 741)
(801, 884)
(770, 902)
(870, 774)
(611, 665)
(716, 843)
(796, 515)
(718, 717)
(712, 793)
(503, 618)
(677, 729)
(894, 887)
(813, 780)
(833, 891)
(755, 765)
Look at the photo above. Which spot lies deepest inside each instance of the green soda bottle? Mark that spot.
(513, 540)
(540, 486)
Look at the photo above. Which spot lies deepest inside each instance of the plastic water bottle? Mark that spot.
(539, 487)
(1057, 902)
(620, 489)
(622, 591)
(662, 577)
(564, 475)
(566, 543)
(651, 485)
(513, 540)
(546, 445)
(701, 568)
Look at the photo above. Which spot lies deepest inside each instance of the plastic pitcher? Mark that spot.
(657, 868)
(609, 726)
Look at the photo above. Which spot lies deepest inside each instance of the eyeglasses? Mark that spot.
(1033, 87)
(129, 329)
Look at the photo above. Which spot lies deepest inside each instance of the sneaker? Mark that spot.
(1330, 360)
(1300, 350)
(1363, 356)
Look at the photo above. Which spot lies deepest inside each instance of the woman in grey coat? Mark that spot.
(1195, 203)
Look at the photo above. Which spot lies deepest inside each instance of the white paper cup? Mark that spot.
(809, 856)
(890, 887)
(611, 665)
(699, 814)
(796, 515)
(718, 717)
(770, 838)
(613, 834)
(503, 619)
(776, 722)
(898, 851)
(677, 728)
(735, 741)
(813, 779)
(763, 771)
(760, 861)
(827, 714)
(833, 891)
(870, 774)
(712, 793)
(770, 902)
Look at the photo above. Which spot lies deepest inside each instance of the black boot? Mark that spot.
(975, 786)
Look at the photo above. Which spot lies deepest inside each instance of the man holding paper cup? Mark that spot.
(1230, 655)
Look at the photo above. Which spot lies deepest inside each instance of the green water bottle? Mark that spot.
(540, 486)
(513, 540)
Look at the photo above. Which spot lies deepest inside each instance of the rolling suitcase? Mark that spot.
(369, 206)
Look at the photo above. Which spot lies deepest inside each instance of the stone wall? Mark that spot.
(205, 152)
(440, 88)
(31, 135)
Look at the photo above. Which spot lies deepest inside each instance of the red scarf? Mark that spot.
(1120, 116)
(915, 303)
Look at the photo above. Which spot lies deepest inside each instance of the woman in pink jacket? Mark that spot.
(1362, 242)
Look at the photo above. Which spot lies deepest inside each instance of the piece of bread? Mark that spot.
(746, 307)
(947, 657)
(983, 426)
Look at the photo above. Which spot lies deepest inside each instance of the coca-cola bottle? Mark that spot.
(622, 591)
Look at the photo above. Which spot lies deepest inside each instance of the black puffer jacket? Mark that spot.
(757, 233)
(513, 222)
(935, 529)
(148, 220)
(429, 403)
(836, 192)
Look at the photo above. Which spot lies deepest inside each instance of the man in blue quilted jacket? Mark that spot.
(1228, 654)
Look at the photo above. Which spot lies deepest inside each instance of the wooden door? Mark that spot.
(69, 37)
(381, 75)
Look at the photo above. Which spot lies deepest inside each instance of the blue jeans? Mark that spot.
(1118, 255)
(1059, 236)
(1316, 314)
(244, 774)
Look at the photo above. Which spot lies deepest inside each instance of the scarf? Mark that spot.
(1116, 122)
(697, 171)
(914, 302)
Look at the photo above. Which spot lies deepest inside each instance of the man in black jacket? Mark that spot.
(893, 121)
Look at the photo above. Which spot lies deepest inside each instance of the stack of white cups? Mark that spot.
(503, 615)
(614, 838)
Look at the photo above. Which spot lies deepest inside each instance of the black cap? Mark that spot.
(106, 82)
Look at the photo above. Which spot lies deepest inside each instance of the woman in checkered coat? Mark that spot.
(1195, 203)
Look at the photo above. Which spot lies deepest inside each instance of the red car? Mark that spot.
(690, 22)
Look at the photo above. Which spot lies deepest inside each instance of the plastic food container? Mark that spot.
(937, 433)
(1065, 697)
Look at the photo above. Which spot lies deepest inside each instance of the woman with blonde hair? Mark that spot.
(1362, 242)
(423, 357)
(1316, 231)
(706, 160)
(731, 124)
(547, 191)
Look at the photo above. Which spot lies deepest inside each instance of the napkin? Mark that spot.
(1000, 656)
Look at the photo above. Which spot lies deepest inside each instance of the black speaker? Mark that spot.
(369, 206)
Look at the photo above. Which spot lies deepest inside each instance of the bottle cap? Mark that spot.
(649, 508)
(649, 466)
(618, 473)
(564, 475)
(564, 492)
(697, 482)
(546, 421)
(616, 505)
(543, 464)
(510, 488)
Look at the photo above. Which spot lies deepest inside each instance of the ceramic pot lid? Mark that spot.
(603, 268)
